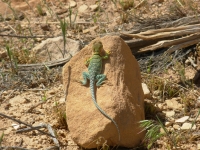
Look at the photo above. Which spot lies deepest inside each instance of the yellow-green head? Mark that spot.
(97, 47)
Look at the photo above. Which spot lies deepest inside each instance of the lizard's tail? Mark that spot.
(98, 107)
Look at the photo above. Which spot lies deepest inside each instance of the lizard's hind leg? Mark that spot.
(85, 77)
(100, 79)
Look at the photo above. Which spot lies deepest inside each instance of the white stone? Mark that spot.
(176, 126)
(146, 91)
(198, 146)
(170, 113)
(187, 126)
(72, 4)
(15, 126)
(167, 124)
(183, 119)
(62, 100)
(82, 8)
(93, 7)
(173, 103)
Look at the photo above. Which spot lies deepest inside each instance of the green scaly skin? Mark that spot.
(94, 74)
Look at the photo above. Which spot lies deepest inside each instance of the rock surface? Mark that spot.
(53, 49)
(121, 97)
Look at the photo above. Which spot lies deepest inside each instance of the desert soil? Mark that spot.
(38, 97)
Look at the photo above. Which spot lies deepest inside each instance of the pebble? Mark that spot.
(93, 7)
(82, 8)
(167, 124)
(170, 113)
(187, 126)
(183, 119)
(173, 103)
(146, 91)
(176, 126)
(198, 146)
(72, 4)
(156, 93)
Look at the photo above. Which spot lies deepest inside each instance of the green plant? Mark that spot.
(152, 131)
(40, 10)
(64, 25)
(1, 138)
(61, 114)
(71, 23)
(193, 122)
(44, 97)
(13, 62)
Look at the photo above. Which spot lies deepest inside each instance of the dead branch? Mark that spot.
(31, 129)
(182, 45)
(168, 43)
(18, 121)
(43, 65)
(50, 130)
(24, 36)
(165, 34)
(13, 147)
(179, 22)
(33, 107)
(154, 31)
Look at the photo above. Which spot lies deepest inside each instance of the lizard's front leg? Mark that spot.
(106, 55)
(100, 79)
(85, 77)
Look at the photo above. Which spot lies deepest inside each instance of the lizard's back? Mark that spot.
(95, 65)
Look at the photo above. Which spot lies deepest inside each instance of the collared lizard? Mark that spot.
(94, 74)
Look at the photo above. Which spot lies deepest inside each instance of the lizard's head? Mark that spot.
(97, 46)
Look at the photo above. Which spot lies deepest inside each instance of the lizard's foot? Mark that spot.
(108, 52)
(85, 77)
(100, 79)
(105, 83)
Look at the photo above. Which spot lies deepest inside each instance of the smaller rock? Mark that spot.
(198, 146)
(146, 91)
(62, 100)
(82, 8)
(173, 103)
(187, 126)
(159, 105)
(176, 126)
(156, 93)
(167, 124)
(187, 62)
(170, 113)
(183, 119)
(15, 126)
(72, 4)
(93, 7)
(86, 31)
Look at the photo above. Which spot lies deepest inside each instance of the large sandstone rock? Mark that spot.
(121, 97)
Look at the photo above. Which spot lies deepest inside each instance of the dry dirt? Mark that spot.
(38, 97)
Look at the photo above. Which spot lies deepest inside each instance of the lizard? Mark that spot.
(94, 64)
